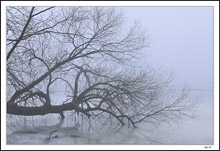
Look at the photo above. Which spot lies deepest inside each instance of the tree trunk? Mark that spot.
(12, 108)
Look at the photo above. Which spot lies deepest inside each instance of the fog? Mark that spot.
(181, 41)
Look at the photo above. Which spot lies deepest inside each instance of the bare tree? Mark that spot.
(90, 50)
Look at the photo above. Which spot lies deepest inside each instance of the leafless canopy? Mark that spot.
(90, 50)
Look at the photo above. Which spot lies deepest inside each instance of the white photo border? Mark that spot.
(214, 4)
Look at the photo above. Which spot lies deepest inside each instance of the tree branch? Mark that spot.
(22, 34)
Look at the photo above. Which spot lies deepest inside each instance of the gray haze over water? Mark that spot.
(181, 40)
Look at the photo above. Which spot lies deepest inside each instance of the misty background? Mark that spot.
(181, 41)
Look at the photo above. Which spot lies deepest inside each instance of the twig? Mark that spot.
(51, 134)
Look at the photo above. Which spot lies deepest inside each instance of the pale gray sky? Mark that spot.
(181, 39)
